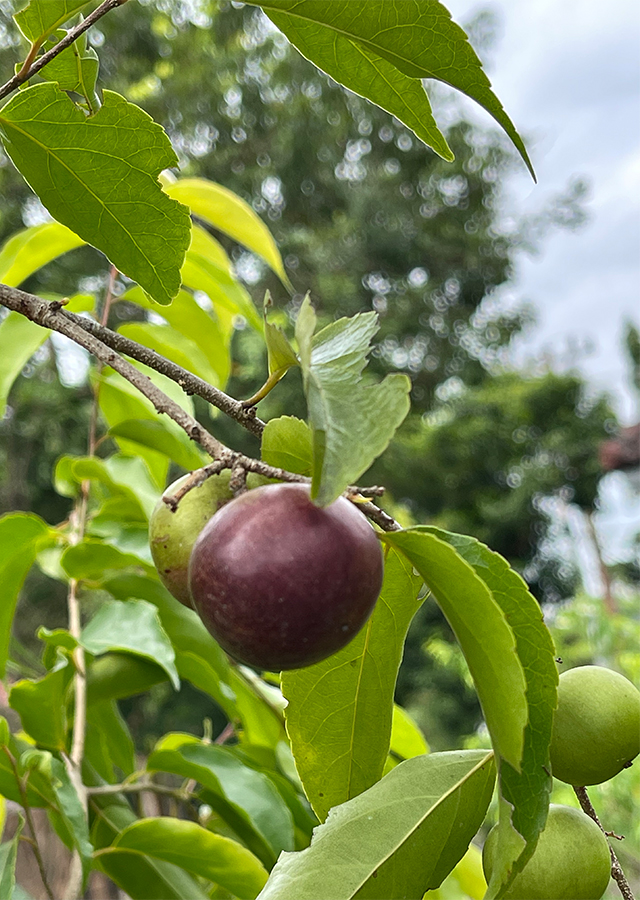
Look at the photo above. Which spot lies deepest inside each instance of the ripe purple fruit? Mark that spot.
(281, 583)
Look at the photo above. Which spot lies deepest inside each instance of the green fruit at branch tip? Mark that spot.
(596, 729)
(173, 534)
(571, 860)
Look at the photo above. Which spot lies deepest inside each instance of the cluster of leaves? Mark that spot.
(392, 820)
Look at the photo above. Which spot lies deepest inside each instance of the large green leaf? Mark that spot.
(398, 839)
(245, 798)
(525, 793)
(287, 444)
(42, 705)
(22, 535)
(366, 73)
(352, 421)
(132, 626)
(230, 214)
(192, 847)
(117, 675)
(73, 162)
(92, 558)
(482, 630)
(27, 251)
(340, 710)
(419, 39)
(38, 19)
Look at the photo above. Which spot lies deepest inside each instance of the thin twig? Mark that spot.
(39, 311)
(28, 70)
(89, 334)
(616, 869)
(138, 788)
(189, 382)
(27, 811)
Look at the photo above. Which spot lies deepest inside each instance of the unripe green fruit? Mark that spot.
(596, 729)
(173, 534)
(571, 860)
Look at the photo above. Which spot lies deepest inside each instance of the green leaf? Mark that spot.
(352, 422)
(42, 705)
(72, 163)
(287, 444)
(38, 19)
(27, 251)
(526, 792)
(340, 710)
(407, 740)
(22, 535)
(19, 340)
(169, 342)
(207, 268)
(230, 214)
(368, 74)
(8, 857)
(245, 798)
(482, 630)
(91, 559)
(153, 434)
(76, 69)
(132, 626)
(280, 353)
(192, 847)
(142, 877)
(212, 336)
(108, 741)
(419, 39)
(398, 839)
(117, 675)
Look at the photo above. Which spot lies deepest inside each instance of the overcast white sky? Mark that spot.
(568, 75)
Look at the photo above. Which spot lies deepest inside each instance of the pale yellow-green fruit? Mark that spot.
(571, 860)
(596, 729)
(173, 534)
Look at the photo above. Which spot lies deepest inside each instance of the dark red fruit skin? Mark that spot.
(281, 583)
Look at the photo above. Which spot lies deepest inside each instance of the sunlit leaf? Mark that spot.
(482, 630)
(419, 39)
(192, 847)
(72, 162)
(230, 214)
(398, 839)
(38, 19)
(27, 251)
(352, 421)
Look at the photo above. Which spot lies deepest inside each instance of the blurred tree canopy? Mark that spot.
(366, 217)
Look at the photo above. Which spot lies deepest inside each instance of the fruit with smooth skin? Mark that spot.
(596, 729)
(281, 583)
(173, 534)
(571, 860)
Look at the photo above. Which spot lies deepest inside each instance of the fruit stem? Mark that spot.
(616, 869)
